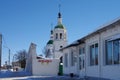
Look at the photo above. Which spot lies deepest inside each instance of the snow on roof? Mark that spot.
(101, 28)
(108, 23)
(105, 25)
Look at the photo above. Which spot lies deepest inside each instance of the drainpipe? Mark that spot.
(100, 47)
(85, 62)
(77, 59)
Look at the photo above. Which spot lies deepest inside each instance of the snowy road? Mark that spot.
(8, 75)
(40, 78)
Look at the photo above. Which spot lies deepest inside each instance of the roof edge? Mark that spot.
(81, 40)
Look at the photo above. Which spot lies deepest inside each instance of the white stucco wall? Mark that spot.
(45, 69)
(81, 72)
(101, 70)
(109, 71)
(65, 69)
(70, 69)
(38, 68)
(92, 71)
(30, 57)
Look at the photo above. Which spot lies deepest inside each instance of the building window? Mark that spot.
(94, 54)
(60, 35)
(81, 51)
(112, 51)
(81, 62)
(66, 60)
(56, 35)
(72, 59)
(81, 58)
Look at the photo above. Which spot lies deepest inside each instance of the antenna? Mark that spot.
(59, 14)
(59, 6)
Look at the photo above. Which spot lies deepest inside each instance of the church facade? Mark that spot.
(58, 40)
(96, 55)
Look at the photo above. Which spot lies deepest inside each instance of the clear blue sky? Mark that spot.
(26, 21)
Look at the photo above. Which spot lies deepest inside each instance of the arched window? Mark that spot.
(60, 35)
(56, 35)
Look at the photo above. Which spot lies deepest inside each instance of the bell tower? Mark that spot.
(58, 39)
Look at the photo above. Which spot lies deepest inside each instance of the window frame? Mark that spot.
(92, 55)
(81, 58)
(113, 53)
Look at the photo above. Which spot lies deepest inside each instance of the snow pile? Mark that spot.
(6, 74)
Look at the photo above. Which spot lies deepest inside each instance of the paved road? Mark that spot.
(40, 78)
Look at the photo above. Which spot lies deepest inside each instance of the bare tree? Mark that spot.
(20, 56)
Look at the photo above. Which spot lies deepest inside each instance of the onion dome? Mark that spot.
(50, 42)
(61, 26)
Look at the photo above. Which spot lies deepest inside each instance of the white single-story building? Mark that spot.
(97, 55)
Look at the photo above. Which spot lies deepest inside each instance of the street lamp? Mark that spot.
(9, 58)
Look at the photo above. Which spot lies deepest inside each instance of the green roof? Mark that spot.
(50, 42)
(60, 26)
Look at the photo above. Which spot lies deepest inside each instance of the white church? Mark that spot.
(50, 65)
(58, 40)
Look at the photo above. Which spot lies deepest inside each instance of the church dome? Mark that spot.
(60, 26)
(50, 42)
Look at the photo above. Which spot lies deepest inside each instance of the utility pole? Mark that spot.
(0, 50)
(9, 58)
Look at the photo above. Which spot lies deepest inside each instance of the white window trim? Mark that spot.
(114, 37)
(89, 59)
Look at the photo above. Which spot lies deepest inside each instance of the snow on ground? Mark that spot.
(6, 74)
(41, 78)
(22, 75)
